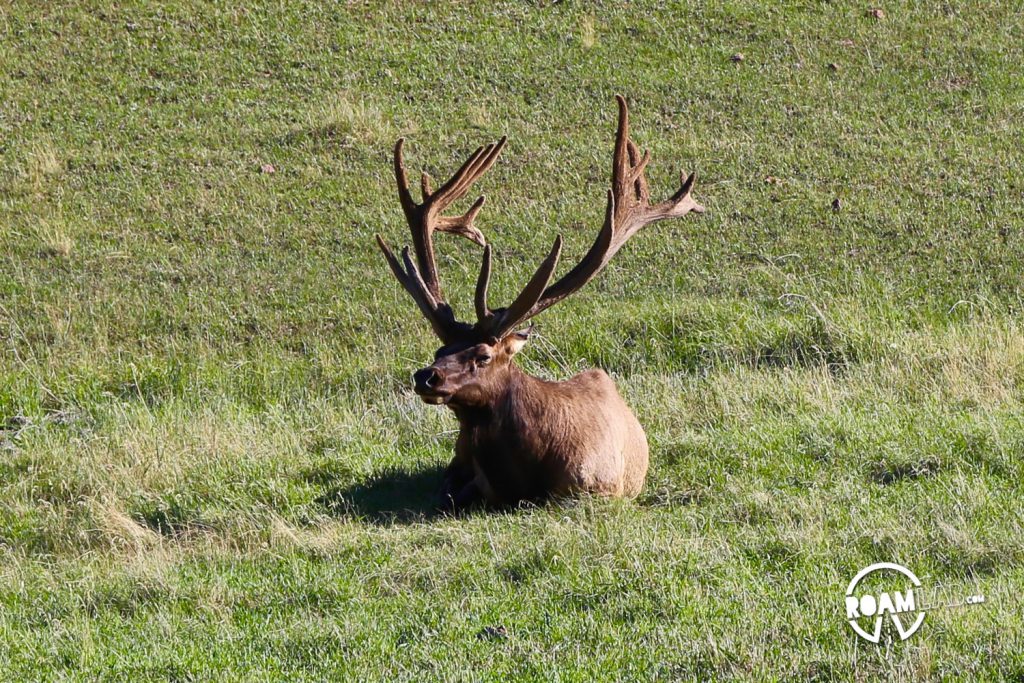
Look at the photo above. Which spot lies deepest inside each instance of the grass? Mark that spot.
(212, 465)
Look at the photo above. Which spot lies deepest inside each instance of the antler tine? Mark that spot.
(475, 166)
(682, 202)
(620, 156)
(463, 225)
(483, 280)
(417, 279)
(438, 314)
(636, 174)
(521, 308)
(413, 285)
(466, 165)
(402, 180)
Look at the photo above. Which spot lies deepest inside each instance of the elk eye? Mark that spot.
(483, 360)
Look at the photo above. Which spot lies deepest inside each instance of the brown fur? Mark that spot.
(523, 438)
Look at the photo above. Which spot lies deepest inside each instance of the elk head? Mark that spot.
(474, 361)
(472, 375)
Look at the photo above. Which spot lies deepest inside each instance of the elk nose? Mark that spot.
(427, 378)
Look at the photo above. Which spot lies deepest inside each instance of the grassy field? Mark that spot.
(212, 466)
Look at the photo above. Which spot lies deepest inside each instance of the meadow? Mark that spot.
(212, 465)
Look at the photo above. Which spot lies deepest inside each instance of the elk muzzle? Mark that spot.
(427, 385)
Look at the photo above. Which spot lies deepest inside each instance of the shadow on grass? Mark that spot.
(393, 496)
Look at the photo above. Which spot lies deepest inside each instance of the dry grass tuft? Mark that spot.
(42, 163)
(352, 120)
(121, 531)
(479, 116)
(54, 240)
(588, 32)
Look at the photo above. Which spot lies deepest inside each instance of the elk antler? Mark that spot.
(627, 211)
(420, 277)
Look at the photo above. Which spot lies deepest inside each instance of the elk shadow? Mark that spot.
(394, 496)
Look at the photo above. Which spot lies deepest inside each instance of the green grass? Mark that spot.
(211, 463)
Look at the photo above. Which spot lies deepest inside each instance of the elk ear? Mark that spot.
(515, 342)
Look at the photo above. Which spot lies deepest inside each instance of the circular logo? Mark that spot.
(891, 597)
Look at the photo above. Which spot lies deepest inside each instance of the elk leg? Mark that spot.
(456, 476)
(469, 495)
(466, 496)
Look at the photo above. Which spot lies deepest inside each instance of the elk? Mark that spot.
(522, 438)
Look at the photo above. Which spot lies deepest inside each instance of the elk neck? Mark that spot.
(519, 391)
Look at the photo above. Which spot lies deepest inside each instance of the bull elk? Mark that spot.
(520, 437)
